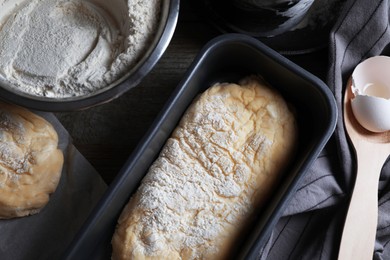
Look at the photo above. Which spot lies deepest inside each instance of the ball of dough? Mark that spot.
(30, 162)
(213, 175)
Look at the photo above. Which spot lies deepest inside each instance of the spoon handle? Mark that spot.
(358, 238)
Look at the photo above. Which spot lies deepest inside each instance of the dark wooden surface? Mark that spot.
(106, 135)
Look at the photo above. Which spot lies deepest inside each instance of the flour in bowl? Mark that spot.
(68, 48)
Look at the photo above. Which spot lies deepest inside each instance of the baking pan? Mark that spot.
(226, 58)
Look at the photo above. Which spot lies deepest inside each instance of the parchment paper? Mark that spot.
(47, 234)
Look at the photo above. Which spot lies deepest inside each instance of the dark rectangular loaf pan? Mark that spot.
(226, 58)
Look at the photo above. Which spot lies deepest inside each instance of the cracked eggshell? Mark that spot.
(371, 89)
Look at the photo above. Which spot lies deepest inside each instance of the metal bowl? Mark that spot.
(169, 16)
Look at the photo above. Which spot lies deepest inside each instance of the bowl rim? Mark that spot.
(170, 13)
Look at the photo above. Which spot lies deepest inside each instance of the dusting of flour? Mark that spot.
(67, 48)
(12, 160)
(216, 168)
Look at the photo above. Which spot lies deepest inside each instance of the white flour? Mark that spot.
(66, 48)
(13, 162)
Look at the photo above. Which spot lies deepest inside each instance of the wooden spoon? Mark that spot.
(372, 150)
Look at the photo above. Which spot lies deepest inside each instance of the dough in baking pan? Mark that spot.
(30, 162)
(216, 170)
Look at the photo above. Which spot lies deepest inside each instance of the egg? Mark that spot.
(371, 90)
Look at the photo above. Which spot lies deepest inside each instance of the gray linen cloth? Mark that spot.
(311, 226)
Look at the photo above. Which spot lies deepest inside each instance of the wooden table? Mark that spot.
(107, 134)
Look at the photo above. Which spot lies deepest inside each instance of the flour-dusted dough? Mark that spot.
(219, 166)
(30, 162)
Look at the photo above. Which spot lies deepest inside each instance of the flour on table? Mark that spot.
(67, 48)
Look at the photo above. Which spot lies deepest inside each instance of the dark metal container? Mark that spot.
(260, 18)
(226, 58)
